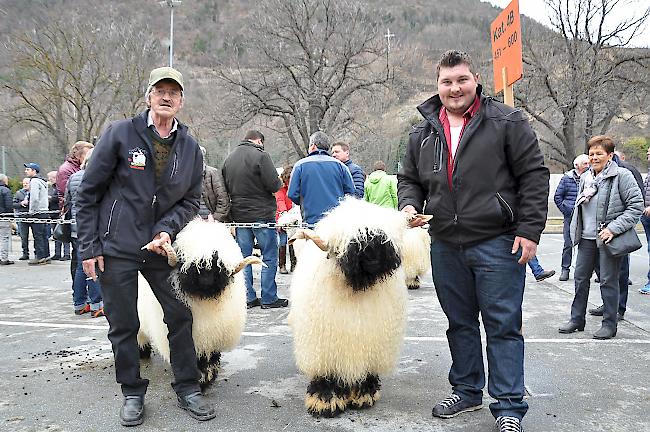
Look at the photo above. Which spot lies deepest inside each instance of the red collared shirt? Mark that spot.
(444, 120)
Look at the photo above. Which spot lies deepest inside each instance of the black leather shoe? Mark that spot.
(605, 332)
(132, 412)
(196, 406)
(564, 275)
(253, 303)
(279, 303)
(570, 327)
(598, 311)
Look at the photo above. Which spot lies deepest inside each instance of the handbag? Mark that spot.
(63, 231)
(624, 243)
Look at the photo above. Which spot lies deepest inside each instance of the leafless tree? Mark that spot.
(583, 77)
(68, 79)
(303, 66)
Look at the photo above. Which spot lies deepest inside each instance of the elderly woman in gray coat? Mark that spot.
(589, 231)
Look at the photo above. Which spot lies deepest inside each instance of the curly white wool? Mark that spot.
(338, 332)
(416, 257)
(217, 323)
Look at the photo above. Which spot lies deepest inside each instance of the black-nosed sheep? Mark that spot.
(348, 305)
(207, 279)
(416, 256)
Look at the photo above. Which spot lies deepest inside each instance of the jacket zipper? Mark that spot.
(110, 219)
(505, 203)
(173, 166)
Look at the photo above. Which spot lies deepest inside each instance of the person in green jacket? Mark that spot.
(380, 188)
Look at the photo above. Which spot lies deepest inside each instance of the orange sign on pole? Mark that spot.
(505, 33)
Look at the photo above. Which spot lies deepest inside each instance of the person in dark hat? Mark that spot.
(142, 188)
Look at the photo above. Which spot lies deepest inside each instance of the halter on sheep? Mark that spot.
(349, 305)
(207, 262)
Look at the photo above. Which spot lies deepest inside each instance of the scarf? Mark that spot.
(592, 183)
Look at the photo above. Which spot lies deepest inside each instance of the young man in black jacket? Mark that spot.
(142, 188)
(477, 165)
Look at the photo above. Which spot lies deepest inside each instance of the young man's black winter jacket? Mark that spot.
(499, 181)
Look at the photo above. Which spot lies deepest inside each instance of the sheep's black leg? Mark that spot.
(365, 393)
(326, 397)
(209, 367)
(145, 351)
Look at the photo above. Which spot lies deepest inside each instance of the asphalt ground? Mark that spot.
(56, 369)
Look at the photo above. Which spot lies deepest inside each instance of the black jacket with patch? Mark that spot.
(499, 181)
(120, 207)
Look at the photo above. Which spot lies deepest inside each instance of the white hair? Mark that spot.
(4, 179)
(580, 159)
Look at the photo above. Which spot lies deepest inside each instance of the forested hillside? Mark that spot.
(70, 66)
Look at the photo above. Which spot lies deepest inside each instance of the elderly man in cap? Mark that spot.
(143, 186)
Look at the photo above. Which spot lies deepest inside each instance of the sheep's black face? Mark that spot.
(203, 283)
(370, 260)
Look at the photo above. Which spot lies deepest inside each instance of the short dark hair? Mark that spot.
(379, 165)
(252, 135)
(607, 143)
(452, 58)
(344, 146)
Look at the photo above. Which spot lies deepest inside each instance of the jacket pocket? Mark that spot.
(506, 209)
(113, 216)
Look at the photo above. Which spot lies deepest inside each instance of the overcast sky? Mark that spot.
(536, 9)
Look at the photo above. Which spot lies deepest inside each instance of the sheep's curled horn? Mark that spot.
(309, 235)
(172, 259)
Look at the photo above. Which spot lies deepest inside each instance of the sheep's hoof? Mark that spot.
(413, 287)
(365, 393)
(209, 368)
(326, 397)
(145, 351)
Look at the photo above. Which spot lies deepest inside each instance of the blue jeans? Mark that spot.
(41, 243)
(567, 248)
(483, 278)
(85, 290)
(535, 267)
(645, 221)
(267, 240)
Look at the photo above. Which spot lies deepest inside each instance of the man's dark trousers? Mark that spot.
(120, 289)
(485, 278)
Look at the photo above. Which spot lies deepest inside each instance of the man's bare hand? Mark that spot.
(89, 266)
(156, 244)
(646, 211)
(414, 221)
(528, 249)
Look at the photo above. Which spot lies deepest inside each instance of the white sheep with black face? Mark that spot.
(348, 305)
(206, 277)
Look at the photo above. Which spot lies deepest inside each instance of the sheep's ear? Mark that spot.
(309, 235)
(246, 261)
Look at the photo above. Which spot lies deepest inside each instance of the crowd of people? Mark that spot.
(147, 177)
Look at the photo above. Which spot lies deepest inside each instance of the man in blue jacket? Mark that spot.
(341, 151)
(318, 182)
(565, 198)
(142, 188)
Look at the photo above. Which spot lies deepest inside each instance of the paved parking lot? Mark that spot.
(56, 371)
